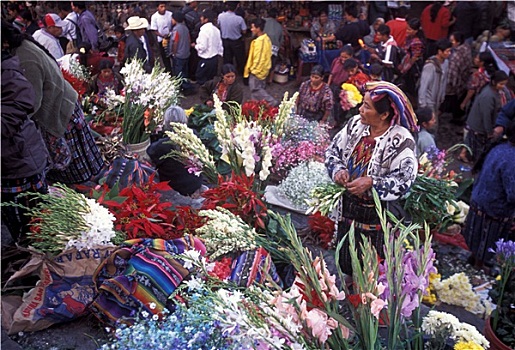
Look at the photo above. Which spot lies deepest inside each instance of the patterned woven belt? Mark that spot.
(361, 226)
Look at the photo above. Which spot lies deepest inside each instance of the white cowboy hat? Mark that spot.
(136, 22)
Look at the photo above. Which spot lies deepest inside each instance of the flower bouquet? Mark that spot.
(75, 73)
(442, 327)
(144, 99)
(324, 198)
(65, 219)
(503, 293)
(302, 140)
(350, 97)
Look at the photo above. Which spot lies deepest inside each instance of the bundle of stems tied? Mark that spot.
(324, 198)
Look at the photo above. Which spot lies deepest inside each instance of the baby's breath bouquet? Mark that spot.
(301, 180)
(66, 219)
(144, 99)
(225, 232)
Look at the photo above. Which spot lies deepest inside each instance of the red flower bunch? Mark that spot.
(259, 110)
(143, 215)
(236, 195)
(222, 269)
(322, 227)
(77, 84)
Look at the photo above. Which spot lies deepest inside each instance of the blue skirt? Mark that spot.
(86, 159)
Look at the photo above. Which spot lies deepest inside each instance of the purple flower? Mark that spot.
(505, 251)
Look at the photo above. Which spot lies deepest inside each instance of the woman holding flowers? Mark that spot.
(315, 100)
(374, 150)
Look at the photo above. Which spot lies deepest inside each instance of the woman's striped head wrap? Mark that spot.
(403, 110)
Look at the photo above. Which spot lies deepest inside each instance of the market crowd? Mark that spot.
(406, 67)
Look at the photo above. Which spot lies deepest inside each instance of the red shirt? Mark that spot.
(398, 28)
(440, 28)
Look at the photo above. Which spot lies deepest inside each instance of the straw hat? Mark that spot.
(136, 22)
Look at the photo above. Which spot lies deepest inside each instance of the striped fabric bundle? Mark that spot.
(252, 266)
(404, 114)
(139, 274)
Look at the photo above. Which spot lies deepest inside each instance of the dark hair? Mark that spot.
(159, 3)
(459, 37)
(273, 12)
(488, 62)
(414, 23)
(352, 10)
(376, 69)
(424, 114)
(178, 16)
(208, 14)
(383, 104)
(497, 77)
(119, 29)
(350, 64)
(80, 4)
(228, 68)
(434, 10)
(105, 64)
(347, 49)
(510, 134)
(317, 70)
(14, 38)
(258, 23)
(443, 44)
(402, 12)
(64, 6)
(383, 29)
(26, 15)
(231, 5)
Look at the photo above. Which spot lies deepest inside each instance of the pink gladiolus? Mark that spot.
(317, 321)
(376, 306)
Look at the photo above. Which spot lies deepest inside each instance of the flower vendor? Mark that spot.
(24, 155)
(225, 87)
(58, 114)
(492, 206)
(107, 78)
(315, 100)
(169, 169)
(374, 150)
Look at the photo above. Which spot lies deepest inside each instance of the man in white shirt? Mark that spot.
(209, 47)
(71, 29)
(48, 36)
(161, 26)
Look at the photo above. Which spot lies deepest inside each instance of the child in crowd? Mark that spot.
(356, 76)
(425, 139)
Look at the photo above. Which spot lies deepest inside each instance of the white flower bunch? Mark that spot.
(302, 180)
(225, 233)
(441, 326)
(457, 290)
(285, 111)
(191, 151)
(100, 223)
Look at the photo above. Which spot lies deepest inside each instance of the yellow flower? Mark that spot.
(353, 93)
(470, 345)
(189, 111)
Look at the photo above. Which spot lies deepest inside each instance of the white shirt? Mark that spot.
(161, 23)
(69, 29)
(49, 42)
(209, 41)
